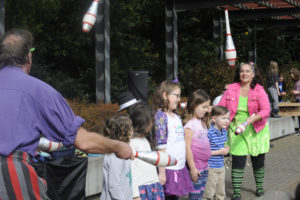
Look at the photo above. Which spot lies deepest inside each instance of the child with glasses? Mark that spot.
(170, 138)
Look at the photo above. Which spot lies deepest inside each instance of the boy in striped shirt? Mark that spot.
(217, 135)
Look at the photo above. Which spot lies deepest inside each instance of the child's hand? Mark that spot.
(194, 174)
(162, 178)
(225, 150)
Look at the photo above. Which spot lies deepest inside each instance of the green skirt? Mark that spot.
(249, 142)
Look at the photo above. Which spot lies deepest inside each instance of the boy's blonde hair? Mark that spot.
(167, 86)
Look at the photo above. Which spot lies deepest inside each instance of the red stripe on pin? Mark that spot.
(169, 160)
(228, 33)
(231, 59)
(90, 14)
(158, 158)
(50, 144)
(230, 50)
(87, 23)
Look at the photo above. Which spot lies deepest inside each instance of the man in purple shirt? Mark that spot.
(30, 108)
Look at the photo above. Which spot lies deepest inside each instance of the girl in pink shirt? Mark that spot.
(198, 149)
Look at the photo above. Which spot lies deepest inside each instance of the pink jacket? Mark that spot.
(258, 103)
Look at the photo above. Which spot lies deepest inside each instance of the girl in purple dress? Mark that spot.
(170, 138)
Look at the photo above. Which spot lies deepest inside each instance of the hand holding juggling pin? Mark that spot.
(242, 127)
(156, 158)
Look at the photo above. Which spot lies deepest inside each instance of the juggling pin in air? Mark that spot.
(49, 146)
(89, 18)
(230, 52)
(157, 158)
(242, 127)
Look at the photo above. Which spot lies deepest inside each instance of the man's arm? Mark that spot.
(90, 142)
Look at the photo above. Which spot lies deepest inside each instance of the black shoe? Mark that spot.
(236, 197)
(259, 192)
(276, 115)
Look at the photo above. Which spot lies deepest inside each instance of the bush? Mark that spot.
(94, 114)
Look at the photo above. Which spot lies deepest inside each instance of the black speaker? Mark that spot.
(138, 84)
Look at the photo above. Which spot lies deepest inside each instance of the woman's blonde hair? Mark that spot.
(167, 86)
(273, 67)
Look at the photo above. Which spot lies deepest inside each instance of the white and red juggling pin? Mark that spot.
(230, 51)
(89, 18)
(156, 158)
(242, 127)
(49, 146)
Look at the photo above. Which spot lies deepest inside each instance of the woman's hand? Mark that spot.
(194, 174)
(253, 118)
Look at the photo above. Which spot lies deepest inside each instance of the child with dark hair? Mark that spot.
(145, 182)
(217, 136)
(295, 75)
(282, 88)
(197, 145)
(117, 172)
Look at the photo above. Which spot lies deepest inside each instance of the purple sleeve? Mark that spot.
(55, 119)
(161, 129)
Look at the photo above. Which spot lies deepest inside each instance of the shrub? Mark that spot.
(94, 114)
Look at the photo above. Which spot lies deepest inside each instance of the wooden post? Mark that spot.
(102, 32)
(171, 41)
(2, 18)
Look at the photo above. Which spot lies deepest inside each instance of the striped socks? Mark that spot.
(237, 181)
(259, 179)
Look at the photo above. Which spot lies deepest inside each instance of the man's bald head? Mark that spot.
(14, 48)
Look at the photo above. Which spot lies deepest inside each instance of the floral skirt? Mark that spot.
(153, 191)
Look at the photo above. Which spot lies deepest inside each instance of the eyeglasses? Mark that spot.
(177, 95)
(31, 50)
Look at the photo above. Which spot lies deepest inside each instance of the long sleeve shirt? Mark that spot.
(30, 107)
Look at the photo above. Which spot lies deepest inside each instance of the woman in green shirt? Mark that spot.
(247, 100)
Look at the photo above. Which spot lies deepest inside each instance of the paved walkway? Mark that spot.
(282, 172)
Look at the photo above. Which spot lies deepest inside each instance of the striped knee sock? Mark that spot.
(259, 179)
(237, 181)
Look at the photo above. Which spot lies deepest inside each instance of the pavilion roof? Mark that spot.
(282, 5)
